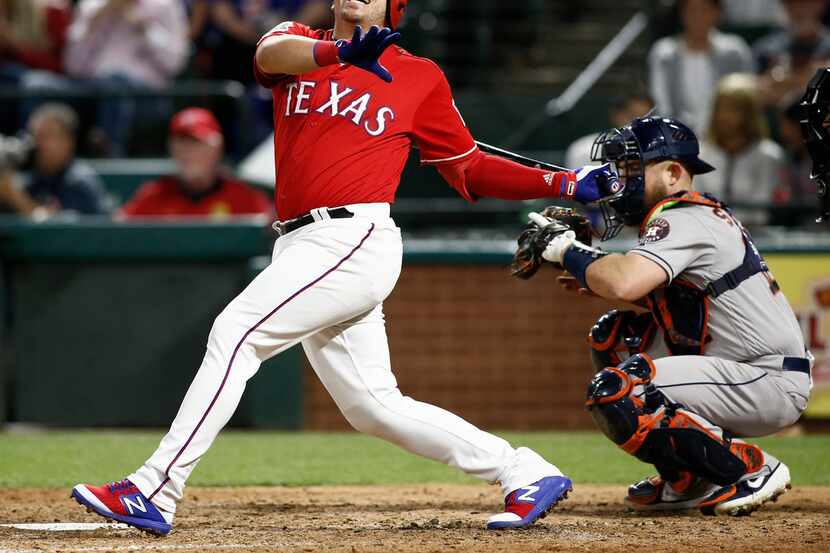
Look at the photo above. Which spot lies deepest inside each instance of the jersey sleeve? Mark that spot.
(439, 130)
(268, 80)
(677, 241)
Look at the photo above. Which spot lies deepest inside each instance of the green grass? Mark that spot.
(61, 459)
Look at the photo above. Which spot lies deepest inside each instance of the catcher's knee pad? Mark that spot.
(643, 423)
(618, 332)
(611, 400)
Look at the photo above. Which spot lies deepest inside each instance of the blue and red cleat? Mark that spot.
(123, 502)
(527, 504)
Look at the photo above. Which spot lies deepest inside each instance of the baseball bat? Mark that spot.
(513, 156)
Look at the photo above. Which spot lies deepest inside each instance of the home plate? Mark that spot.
(68, 526)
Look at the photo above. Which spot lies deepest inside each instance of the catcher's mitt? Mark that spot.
(534, 239)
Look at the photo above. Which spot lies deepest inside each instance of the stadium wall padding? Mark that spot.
(107, 326)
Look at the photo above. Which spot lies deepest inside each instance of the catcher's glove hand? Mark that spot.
(537, 235)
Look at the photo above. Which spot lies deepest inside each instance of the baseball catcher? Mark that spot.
(719, 354)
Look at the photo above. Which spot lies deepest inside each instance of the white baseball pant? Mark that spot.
(324, 288)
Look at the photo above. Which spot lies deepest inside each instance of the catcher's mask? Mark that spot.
(631, 148)
(815, 128)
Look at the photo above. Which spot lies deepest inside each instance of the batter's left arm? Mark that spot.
(446, 143)
(486, 176)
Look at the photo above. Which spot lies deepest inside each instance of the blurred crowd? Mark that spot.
(734, 70)
(740, 97)
(56, 180)
(115, 51)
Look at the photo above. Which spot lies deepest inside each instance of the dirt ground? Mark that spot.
(437, 518)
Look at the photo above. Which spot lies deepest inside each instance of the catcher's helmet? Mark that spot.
(815, 127)
(394, 12)
(642, 141)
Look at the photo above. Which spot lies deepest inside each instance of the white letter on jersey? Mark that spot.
(334, 102)
(381, 121)
(290, 87)
(358, 107)
(302, 96)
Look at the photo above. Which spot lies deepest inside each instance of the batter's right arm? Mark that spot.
(286, 54)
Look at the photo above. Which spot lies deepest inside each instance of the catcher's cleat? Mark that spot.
(523, 506)
(123, 502)
(756, 487)
(657, 494)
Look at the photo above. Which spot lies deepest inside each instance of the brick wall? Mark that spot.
(502, 353)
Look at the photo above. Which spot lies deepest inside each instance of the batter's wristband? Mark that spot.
(326, 53)
(577, 259)
(567, 184)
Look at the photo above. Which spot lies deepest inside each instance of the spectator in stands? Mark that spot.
(32, 40)
(200, 186)
(749, 165)
(754, 13)
(126, 44)
(788, 59)
(198, 16)
(32, 36)
(57, 181)
(623, 109)
(684, 68)
(239, 24)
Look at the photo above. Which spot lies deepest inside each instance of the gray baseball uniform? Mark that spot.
(746, 382)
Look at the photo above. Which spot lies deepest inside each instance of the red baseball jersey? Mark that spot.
(164, 197)
(342, 135)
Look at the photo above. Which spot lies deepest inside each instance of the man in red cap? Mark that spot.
(200, 187)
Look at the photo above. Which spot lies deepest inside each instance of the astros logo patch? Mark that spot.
(655, 231)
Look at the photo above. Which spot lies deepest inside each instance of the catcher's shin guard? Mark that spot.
(635, 415)
(620, 332)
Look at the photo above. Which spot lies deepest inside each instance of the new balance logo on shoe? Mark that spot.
(527, 495)
(130, 505)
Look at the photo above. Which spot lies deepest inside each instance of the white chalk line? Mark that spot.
(67, 526)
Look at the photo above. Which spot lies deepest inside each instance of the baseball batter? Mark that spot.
(719, 354)
(348, 107)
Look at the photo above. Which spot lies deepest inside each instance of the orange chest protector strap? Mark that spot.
(682, 312)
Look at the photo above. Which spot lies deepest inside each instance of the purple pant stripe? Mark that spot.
(239, 345)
